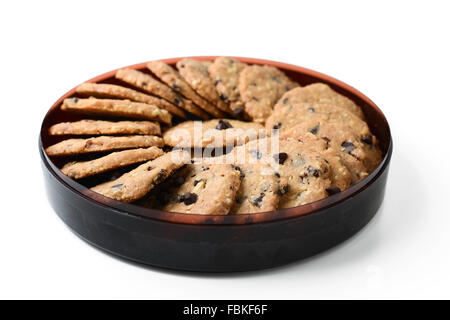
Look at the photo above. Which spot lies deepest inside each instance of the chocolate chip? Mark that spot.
(257, 201)
(311, 109)
(285, 100)
(313, 172)
(276, 79)
(314, 130)
(149, 169)
(332, 190)
(283, 191)
(347, 146)
(205, 168)
(164, 198)
(161, 175)
(241, 199)
(255, 99)
(217, 81)
(177, 101)
(223, 97)
(189, 198)
(327, 141)
(144, 84)
(277, 174)
(223, 125)
(176, 87)
(181, 65)
(75, 99)
(179, 181)
(256, 154)
(277, 126)
(238, 112)
(281, 157)
(196, 182)
(242, 174)
(117, 186)
(287, 88)
(367, 140)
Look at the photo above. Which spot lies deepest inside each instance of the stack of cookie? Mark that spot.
(219, 137)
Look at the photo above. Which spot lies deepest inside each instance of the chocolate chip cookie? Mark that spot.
(104, 90)
(149, 84)
(340, 175)
(196, 75)
(303, 173)
(101, 144)
(118, 108)
(174, 80)
(319, 93)
(292, 114)
(260, 88)
(78, 170)
(100, 127)
(212, 133)
(137, 183)
(259, 190)
(363, 149)
(225, 72)
(204, 189)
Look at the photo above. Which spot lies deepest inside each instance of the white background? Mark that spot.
(396, 52)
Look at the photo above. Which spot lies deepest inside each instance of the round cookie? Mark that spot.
(293, 114)
(117, 108)
(71, 147)
(260, 88)
(196, 75)
(259, 190)
(174, 80)
(204, 189)
(149, 84)
(135, 184)
(342, 138)
(318, 93)
(225, 73)
(356, 166)
(340, 176)
(78, 170)
(303, 173)
(212, 133)
(101, 127)
(105, 90)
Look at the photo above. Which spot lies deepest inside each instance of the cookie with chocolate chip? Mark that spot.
(212, 133)
(82, 169)
(101, 144)
(357, 151)
(101, 127)
(259, 190)
(105, 90)
(117, 108)
(135, 184)
(196, 75)
(149, 84)
(174, 80)
(225, 72)
(292, 114)
(303, 173)
(318, 93)
(260, 88)
(340, 176)
(204, 189)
